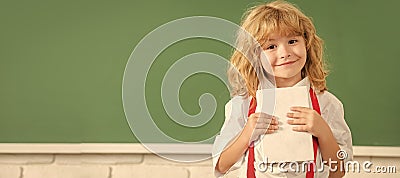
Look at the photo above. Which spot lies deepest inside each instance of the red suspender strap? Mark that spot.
(250, 160)
(315, 105)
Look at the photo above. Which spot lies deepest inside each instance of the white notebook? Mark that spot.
(285, 145)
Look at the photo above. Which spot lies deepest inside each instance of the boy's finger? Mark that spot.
(273, 127)
(296, 115)
(262, 126)
(270, 131)
(264, 119)
(296, 121)
(300, 109)
(274, 122)
(300, 128)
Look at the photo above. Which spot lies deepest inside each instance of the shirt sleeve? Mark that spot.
(333, 113)
(234, 122)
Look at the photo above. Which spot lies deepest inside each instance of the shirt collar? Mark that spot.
(268, 84)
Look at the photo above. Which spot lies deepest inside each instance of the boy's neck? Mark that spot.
(287, 82)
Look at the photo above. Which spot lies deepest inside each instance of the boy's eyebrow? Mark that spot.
(291, 36)
(267, 40)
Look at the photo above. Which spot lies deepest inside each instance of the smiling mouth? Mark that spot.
(286, 63)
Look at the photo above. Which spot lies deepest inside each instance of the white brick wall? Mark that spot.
(10, 171)
(129, 166)
(135, 161)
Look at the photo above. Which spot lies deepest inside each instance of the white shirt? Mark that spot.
(236, 111)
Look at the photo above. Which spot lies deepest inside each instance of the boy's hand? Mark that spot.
(307, 120)
(261, 123)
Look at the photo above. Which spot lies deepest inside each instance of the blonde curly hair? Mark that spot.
(260, 21)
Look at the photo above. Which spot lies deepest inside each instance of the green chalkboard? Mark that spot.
(62, 66)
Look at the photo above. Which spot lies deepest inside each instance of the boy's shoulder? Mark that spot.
(238, 99)
(328, 98)
(237, 103)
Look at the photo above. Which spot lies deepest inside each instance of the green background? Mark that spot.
(62, 65)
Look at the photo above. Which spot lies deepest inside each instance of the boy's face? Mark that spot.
(286, 55)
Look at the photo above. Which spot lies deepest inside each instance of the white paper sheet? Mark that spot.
(285, 145)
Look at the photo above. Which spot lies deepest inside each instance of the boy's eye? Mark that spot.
(292, 41)
(270, 47)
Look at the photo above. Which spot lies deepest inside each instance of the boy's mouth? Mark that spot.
(286, 63)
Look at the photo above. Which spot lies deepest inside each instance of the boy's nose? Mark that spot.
(284, 52)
